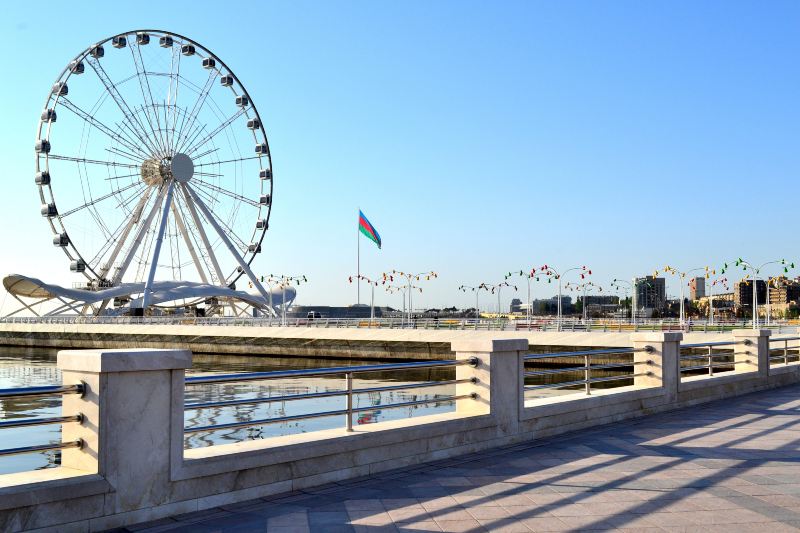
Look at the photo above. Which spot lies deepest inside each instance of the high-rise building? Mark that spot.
(698, 288)
(651, 293)
(784, 293)
(743, 293)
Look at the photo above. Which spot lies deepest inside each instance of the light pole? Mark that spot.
(492, 288)
(404, 289)
(746, 265)
(632, 286)
(724, 283)
(283, 282)
(582, 287)
(553, 273)
(477, 291)
(681, 277)
(410, 278)
(372, 284)
(528, 277)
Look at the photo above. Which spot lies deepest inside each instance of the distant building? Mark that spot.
(602, 300)
(743, 293)
(698, 288)
(516, 306)
(784, 293)
(651, 293)
(326, 311)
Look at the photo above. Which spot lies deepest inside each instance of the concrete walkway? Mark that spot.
(725, 466)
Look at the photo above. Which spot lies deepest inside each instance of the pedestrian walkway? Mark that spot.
(726, 466)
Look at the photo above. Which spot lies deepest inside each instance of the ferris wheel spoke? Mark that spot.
(227, 161)
(100, 126)
(122, 104)
(100, 199)
(222, 235)
(174, 85)
(189, 121)
(90, 161)
(126, 155)
(193, 147)
(122, 176)
(206, 153)
(228, 193)
(144, 83)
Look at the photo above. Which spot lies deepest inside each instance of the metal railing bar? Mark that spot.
(615, 378)
(45, 390)
(604, 351)
(782, 339)
(707, 344)
(554, 371)
(693, 357)
(583, 381)
(714, 365)
(620, 365)
(325, 394)
(27, 422)
(42, 448)
(280, 374)
(338, 412)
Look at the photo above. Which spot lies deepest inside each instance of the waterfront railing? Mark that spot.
(787, 351)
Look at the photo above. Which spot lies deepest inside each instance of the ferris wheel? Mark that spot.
(154, 173)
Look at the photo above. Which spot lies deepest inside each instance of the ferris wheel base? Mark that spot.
(126, 298)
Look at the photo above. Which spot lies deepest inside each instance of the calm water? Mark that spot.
(27, 367)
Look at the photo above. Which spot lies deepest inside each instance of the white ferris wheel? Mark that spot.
(155, 177)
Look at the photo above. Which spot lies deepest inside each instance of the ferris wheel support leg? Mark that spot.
(137, 240)
(188, 241)
(227, 241)
(148, 287)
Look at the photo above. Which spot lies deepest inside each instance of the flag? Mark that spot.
(365, 227)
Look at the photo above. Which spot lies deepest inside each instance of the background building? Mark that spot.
(697, 288)
(743, 293)
(651, 293)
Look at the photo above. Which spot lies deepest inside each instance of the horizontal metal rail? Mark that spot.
(714, 365)
(694, 357)
(325, 394)
(583, 381)
(338, 412)
(712, 344)
(783, 339)
(27, 422)
(582, 368)
(603, 351)
(287, 374)
(43, 448)
(46, 390)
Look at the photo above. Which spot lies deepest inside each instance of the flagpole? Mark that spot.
(358, 259)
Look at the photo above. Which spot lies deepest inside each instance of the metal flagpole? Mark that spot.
(358, 259)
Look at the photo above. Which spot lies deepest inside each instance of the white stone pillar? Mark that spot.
(133, 408)
(499, 375)
(751, 351)
(662, 361)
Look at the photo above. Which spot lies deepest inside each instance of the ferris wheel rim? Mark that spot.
(44, 132)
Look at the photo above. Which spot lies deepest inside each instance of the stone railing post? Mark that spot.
(751, 351)
(130, 428)
(499, 380)
(662, 361)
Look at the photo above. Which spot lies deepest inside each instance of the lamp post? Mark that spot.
(496, 287)
(477, 291)
(681, 277)
(724, 283)
(632, 286)
(528, 277)
(372, 284)
(746, 265)
(284, 281)
(553, 273)
(405, 290)
(582, 287)
(410, 278)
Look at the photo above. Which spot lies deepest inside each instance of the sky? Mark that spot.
(478, 137)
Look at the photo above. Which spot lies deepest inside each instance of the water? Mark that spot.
(21, 367)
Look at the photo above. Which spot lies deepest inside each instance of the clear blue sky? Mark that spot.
(477, 136)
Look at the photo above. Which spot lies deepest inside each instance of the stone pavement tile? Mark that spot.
(451, 515)
(504, 526)
(432, 504)
(374, 529)
(671, 519)
(289, 519)
(488, 512)
(401, 503)
(409, 514)
(370, 518)
(782, 500)
(364, 505)
(418, 527)
(152, 524)
(460, 526)
(329, 528)
(327, 517)
(549, 523)
(514, 499)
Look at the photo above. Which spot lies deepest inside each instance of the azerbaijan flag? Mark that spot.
(365, 227)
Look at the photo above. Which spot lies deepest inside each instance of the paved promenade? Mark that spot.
(724, 466)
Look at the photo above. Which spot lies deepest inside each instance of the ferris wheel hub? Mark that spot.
(179, 167)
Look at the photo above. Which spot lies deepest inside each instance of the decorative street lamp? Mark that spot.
(746, 265)
(372, 284)
(410, 278)
(497, 287)
(723, 282)
(477, 291)
(551, 273)
(528, 277)
(582, 287)
(404, 289)
(681, 278)
(282, 282)
(632, 285)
